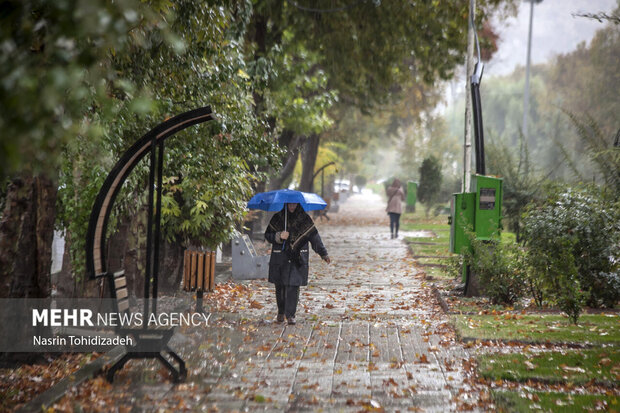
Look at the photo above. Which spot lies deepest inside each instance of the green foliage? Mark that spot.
(522, 183)
(604, 152)
(573, 240)
(297, 94)
(54, 72)
(430, 182)
(197, 61)
(585, 80)
(206, 197)
(360, 181)
(554, 266)
(500, 269)
(380, 59)
(370, 49)
(327, 153)
(428, 137)
(581, 82)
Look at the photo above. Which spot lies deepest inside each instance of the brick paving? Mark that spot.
(369, 336)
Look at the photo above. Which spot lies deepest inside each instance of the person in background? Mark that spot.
(396, 196)
(288, 264)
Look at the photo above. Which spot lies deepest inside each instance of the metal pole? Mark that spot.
(526, 92)
(149, 234)
(470, 70)
(285, 217)
(478, 129)
(157, 237)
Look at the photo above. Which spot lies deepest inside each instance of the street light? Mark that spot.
(526, 94)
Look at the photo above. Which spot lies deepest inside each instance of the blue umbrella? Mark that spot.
(275, 200)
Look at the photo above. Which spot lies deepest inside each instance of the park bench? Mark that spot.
(199, 273)
(322, 213)
(149, 342)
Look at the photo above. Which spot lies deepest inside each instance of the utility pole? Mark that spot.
(469, 68)
(526, 92)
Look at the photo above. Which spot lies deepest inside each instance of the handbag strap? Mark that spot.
(392, 196)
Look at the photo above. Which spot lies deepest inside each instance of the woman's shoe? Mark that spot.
(291, 321)
(280, 318)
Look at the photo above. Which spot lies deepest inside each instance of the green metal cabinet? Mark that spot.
(412, 196)
(479, 212)
(489, 194)
(462, 216)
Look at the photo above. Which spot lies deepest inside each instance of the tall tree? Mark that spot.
(208, 169)
(430, 182)
(367, 49)
(54, 71)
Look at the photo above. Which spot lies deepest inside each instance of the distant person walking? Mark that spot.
(288, 266)
(396, 196)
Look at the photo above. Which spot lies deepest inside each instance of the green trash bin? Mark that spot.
(412, 196)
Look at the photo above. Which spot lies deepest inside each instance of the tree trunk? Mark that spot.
(308, 160)
(26, 235)
(292, 143)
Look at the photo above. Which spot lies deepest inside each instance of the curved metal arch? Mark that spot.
(100, 214)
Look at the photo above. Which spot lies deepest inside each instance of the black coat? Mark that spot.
(282, 269)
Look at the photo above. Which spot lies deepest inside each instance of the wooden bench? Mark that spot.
(199, 273)
(149, 342)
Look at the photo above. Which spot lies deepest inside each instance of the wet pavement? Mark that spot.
(369, 336)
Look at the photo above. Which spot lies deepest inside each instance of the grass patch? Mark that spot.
(518, 402)
(574, 366)
(431, 250)
(508, 237)
(426, 225)
(592, 328)
(435, 250)
(437, 273)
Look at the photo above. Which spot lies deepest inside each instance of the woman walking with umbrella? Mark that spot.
(290, 231)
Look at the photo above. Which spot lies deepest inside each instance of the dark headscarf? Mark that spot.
(300, 227)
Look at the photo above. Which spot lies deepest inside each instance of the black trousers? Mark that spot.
(394, 222)
(287, 297)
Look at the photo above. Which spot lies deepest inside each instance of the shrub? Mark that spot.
(573, 240)
(500, 270)
(553, 269)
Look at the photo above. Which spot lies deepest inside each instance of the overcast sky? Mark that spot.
(554, 31)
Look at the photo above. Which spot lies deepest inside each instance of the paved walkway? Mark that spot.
(369, 336)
